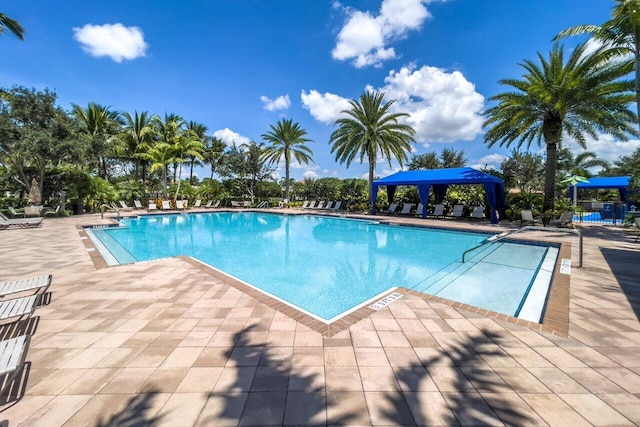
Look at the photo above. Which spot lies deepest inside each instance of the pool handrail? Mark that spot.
(498, 237)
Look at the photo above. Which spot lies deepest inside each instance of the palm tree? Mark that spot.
(215, 154)
(371, 130)
(581, 97)
(188, 145)
(170, 130)
(197, 131)
(620, 34)
(12, 25)
(286, 138)
(101, 124)
(136, 140)
(162, 155)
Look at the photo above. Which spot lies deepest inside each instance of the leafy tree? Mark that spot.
(371, 130)
(424, 161)
(582, 96)
(450, 158)
(36, 135)
(523, 170)
(245, 168)
(620, 35)
(12, 25)
(286, 139)
(102, 125)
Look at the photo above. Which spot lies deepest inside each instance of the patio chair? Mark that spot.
(320, 205)
(457, 211)
(124, 206)
(18, 307)
(391, 209)
(179, 205)
(31, 211)
(438, 210)
(329, 204)
(166, 206)
(478, 212)
(197, 203)
(305, 204)
(406, 208)
(337, 205)
(311, 205)
(137, 204)
(235, 204)
(419, 209)
(208, 205)
(23, 285)
(152, 207)
(53, 212)
(13, 353)
(15, 213)
(19, 222)
(527, 216)
(566, 219)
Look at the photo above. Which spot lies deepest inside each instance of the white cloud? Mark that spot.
(280, 103)
(310, 174)
(325, 108)
(113, 40)
(606, 147)
(230, 137)
(491, 161)
(442, 106)
(364, 36)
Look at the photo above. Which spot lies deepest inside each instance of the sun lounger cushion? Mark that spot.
(13, 351)
(17, 307)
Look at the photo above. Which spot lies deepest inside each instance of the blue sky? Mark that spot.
(240, 66)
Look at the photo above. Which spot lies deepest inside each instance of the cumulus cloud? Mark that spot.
(280, 103)
(442, 106)
(310, 174)
(230, 137)
(113, 40)
(491, 161)
(364, 37)
(606, 147)
(325, 108)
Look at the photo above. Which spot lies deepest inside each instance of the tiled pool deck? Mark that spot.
(168, 343)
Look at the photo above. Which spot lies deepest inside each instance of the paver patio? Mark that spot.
(166, 343)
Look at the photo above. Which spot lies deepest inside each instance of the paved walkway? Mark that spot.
(164, 343)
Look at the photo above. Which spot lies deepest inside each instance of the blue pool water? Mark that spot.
(327, 266)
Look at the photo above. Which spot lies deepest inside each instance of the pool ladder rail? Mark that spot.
(497, 237)
(263, 204)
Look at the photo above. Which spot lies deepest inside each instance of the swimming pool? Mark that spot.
(328, 266)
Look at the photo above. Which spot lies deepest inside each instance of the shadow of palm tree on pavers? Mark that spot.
(135, 413)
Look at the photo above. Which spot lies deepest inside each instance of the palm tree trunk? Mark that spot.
(636, 40)
(372, 168)
(191, 173)
(552, 132)
(286, 181)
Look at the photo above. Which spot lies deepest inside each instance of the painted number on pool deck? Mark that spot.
(385, 301)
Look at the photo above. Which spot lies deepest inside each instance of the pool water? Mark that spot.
(327, 266)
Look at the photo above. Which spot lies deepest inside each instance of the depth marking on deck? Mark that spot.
(565, 266)
(385, 301)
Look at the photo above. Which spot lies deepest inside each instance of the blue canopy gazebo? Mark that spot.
(620, 183)
(440, 180)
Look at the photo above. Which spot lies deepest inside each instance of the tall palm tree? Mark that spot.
(136, 140)
(12, 25)
(583, 96)
(197, 131)
(286, 139)
(189, 146)
(101, 124)
(169, 131)
(620, 34)
(215, 154)
(162, 155)
(371, 130)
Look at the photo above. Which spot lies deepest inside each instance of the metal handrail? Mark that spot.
(263, 204)
(499, 237)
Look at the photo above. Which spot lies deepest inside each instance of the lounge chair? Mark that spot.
(305, 204)
(23, 285)
(13, 353)
(438, 210)
(124, 206)
(197, 203)
(208, 205)
(391, 209)
(166, 206)
(18, 307)
(638, 224)
(566, 218)
(311, 205)
(179, 205)
(15, 213)
(337, 205)
(152, 207)
(478, 212)
(419, 209)
(19, 222)
(320, 205)
(235, 204)
(137, 204)
(53, 212)
(406, 208)
(329, 204)
(216, 204)
(527, 216)
(457, 211)
(32, 211)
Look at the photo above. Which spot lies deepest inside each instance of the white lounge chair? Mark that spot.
(137, 204)
(19, 222)
(13, 353)
(320, 205)
(18, 307)
(23, 285)
(166, 206)
(406, 208)
(235, 204)
(305, 204)
(329, 204)
(391, 209)
(197, 203)
(216, 204)
(208, 205)
(478, 212)
(15, 213)
(337, 205)
(53, 212)
(311, 205)
(179, 205)
(438, 210)
(457, 211)
(152, 207)
(124, 206)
